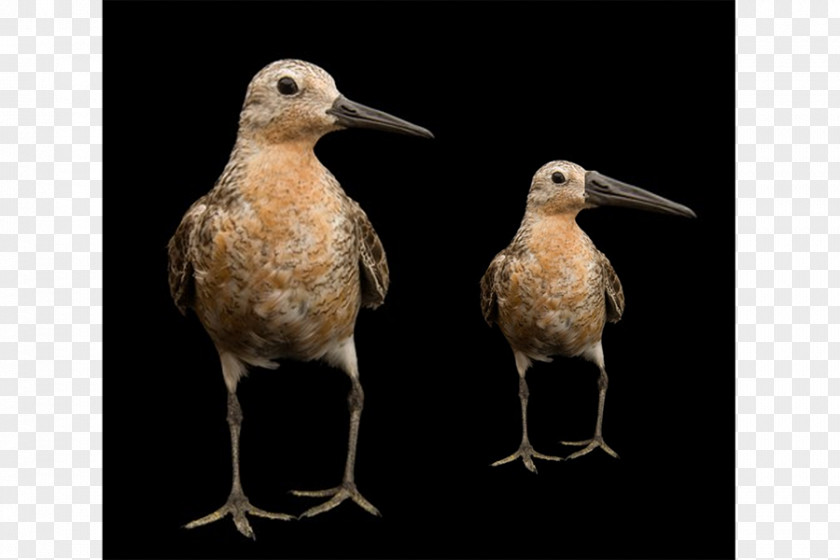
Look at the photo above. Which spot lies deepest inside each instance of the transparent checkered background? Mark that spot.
(788, 115)
(788, 294)
(50, 279)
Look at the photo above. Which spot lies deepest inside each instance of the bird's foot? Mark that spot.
(590, 444)
(338, 495)
(527, 454)
(237, 506)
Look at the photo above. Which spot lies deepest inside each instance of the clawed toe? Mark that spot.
(338, 495)
(238, 506)
(590, 445)
(315, 493)
(527, 454)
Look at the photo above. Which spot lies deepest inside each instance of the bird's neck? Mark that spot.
(279, 133)
(539, 229)
(287, 152)
(277, 141)
(259, 171)
(275, 168)
(562, 221)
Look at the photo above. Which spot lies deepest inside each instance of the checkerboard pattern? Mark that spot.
(788, 293)
(50, 279)
(788, 282)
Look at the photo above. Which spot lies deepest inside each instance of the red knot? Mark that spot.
(551, 290)
(276, 260)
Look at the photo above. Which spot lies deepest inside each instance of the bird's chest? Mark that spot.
(555, 296)
(283, 262)
(283, 241)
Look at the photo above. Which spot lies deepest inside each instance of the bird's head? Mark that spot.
(564, 187)
(291, 99)
(558, 188)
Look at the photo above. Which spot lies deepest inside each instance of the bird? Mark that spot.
(276, 260)
(551, 291)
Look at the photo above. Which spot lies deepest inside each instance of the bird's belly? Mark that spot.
(289, 291)
(546, 318)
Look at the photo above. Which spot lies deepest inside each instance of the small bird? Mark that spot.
(276, 260)
(551, 291)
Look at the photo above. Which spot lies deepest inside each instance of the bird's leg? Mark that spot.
(526, 452)
(237, 504)
(347, 489)
(597, 440)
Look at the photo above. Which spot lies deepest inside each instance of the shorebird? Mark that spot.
(551, 291)
(276, 260)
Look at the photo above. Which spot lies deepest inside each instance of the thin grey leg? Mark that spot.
(237, 504)
(345, 357)
(526, 452)
(598, 439)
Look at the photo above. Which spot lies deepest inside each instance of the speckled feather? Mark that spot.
(276, 259)
(551, 290)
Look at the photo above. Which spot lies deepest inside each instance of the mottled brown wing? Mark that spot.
(181, 247)
(614, 291)
(373, 264)
(489, 304)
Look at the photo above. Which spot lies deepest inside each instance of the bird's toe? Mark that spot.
(339, 494)
(322, 508)
(238, 507)
(364, 504)
(270, 514)
(527, 454)
(529, 464)
(590, 445)
(242, 525)
(315, 493)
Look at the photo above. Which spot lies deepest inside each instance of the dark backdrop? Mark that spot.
(643, 92)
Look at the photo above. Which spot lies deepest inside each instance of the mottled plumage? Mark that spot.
(276, 260)
(277, 268)
(551, 291)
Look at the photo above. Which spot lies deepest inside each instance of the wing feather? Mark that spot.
(489, 298)
(614, 291)
(375, 276)
(181, 248)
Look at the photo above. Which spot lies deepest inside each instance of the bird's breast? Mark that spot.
(554, 302)
(283, 274)
(293, 221)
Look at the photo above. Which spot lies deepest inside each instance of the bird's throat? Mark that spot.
(278, 169)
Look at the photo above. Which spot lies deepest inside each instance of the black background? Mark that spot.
(643, 92)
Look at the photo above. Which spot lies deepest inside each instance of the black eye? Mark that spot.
(287, 86)
(558, 177)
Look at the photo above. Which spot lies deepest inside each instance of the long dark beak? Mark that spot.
(352, 114)
(605, 191)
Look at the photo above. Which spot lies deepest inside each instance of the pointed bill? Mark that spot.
(355, 115)
(605, 191)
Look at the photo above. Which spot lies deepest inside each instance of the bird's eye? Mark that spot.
(558, 177)
(287, 86)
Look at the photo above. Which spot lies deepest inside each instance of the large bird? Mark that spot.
(276, 260)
